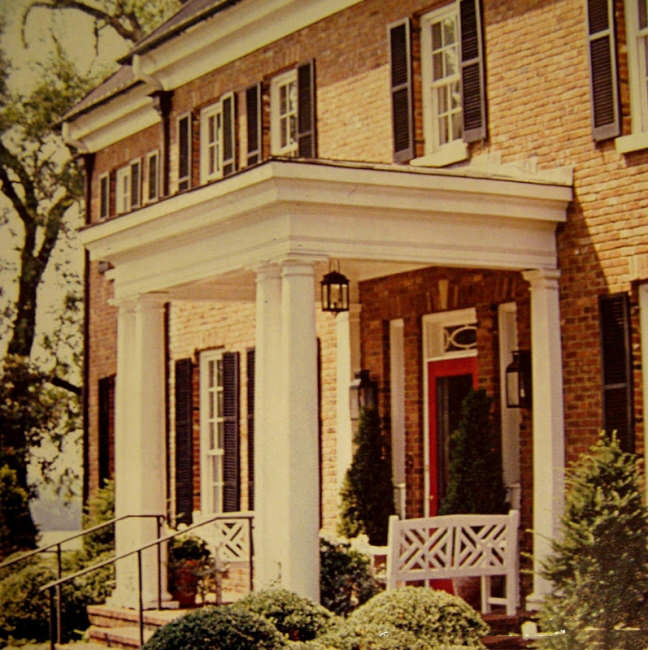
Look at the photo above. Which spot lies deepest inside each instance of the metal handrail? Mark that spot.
(56, 584)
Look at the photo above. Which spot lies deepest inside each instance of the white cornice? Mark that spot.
(208, 45)
(283, 208)
(124, 115)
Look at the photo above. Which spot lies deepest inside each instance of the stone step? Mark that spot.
(109, 616)
(118, 637)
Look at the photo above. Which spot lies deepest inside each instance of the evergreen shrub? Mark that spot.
(436, 616)
(345, 577)
(599, 562)
(298, 618)
(222, 628)
(367, 495)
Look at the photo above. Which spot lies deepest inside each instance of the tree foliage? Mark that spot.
(599, 563)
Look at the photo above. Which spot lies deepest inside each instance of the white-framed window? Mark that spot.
(212, 431)
(283, 114)
(128, 187)
(184, 152)
(153, 176)
(104, 196)
(636, 15)
(211, 142)
(442, 93)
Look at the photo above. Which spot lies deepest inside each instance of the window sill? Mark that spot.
(632, 142)
(446, 155)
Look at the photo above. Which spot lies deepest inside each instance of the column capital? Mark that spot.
(542, 278)
(151, 301)
(293, 266)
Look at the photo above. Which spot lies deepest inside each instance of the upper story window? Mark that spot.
(217, 139)
(636, 15)
(104, 196)
(129, 187)
(284, 114)
(184, 152)
(153, 176)
(292, 112)
(453, 91)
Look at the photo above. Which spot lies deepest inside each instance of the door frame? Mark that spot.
(433, 349)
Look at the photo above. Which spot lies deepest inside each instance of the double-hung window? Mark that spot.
(129, 187)
(184, 152)
(636, 15)
(104, 196)
(153, 176)
(217, 139)
(292, 113)
(452, 85)
(219, 431)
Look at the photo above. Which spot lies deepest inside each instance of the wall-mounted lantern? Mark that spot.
(518, 380)
(363, 394)
(335, 292)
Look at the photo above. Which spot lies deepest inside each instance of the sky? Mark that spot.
(75, 33)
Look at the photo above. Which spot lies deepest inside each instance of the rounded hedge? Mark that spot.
(362, 635)
(436, 616)
(217, 628)
(300, 619)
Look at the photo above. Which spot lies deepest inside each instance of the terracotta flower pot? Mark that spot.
(184, 586)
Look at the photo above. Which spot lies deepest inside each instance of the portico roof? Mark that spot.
(379, 218)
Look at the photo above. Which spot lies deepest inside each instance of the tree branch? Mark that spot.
(59, 382)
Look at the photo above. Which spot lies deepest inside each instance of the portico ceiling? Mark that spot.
(376, 219)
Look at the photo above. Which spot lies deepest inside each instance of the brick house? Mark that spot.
(476, 169)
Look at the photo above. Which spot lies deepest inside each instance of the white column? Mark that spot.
(140, 470)
(643, 320)
(297, 471)
(267, 361)
(397, 404)
(347, 328)
(548, 421)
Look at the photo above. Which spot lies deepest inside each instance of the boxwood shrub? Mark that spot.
(363, 635)
(436, 616)
(300, 619)
(222, 628)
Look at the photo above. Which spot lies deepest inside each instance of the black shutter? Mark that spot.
(306, 110)
(616, 368)
(183, 440)
(104, 185)
(106, 427)
(184, 152)
(253, 110)
(135, 183)
(400, 64)
(603, 69)
(472, 72)
(231, 465)
(229, 134)
(250, 427)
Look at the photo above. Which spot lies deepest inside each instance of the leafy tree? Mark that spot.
(41, 181)
(367, 492)
(599, 563)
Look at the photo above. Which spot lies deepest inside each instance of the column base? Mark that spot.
(534, 602)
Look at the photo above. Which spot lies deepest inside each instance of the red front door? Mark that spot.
(448, 383)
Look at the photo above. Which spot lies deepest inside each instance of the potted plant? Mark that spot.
(189, 557)
(475, 484)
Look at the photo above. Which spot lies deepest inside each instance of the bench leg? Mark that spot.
(485, 594)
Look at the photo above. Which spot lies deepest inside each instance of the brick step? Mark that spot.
(109, 616)
(126, 636)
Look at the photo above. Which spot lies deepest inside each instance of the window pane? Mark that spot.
(210, 128)
(436, 36)
(152, 177)
(443, 130)
(442, 104)
(455, 94)
(437, 65)
(449, 31)
(219, 411)
(643, 13)
(457, 126)
(451, 61)
(221, 435)
(219, 375)
(212, 437)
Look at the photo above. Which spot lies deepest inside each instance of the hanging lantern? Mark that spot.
(335, 292)
(518, 380)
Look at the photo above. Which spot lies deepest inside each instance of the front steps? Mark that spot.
(118, 628)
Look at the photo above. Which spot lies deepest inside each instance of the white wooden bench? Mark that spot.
(452, 546)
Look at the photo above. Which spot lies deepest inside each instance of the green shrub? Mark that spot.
(360, 635)
(298, 618)
(367, 495)
(345, 578)
(24, 610)
(222, 628)
(17, 531)
(99, 509)
(436, 616)
(599, 563)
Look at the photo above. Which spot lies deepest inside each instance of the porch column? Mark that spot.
(267, 544)
(297, 443)
(643, 321)
(548, 420)
(347, 328)
(140, 468)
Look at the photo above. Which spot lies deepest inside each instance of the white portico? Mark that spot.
(267, 234)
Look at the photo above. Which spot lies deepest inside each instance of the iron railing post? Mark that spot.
(58, 593)
(251, 553)
(141, 602)
(52, 632)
